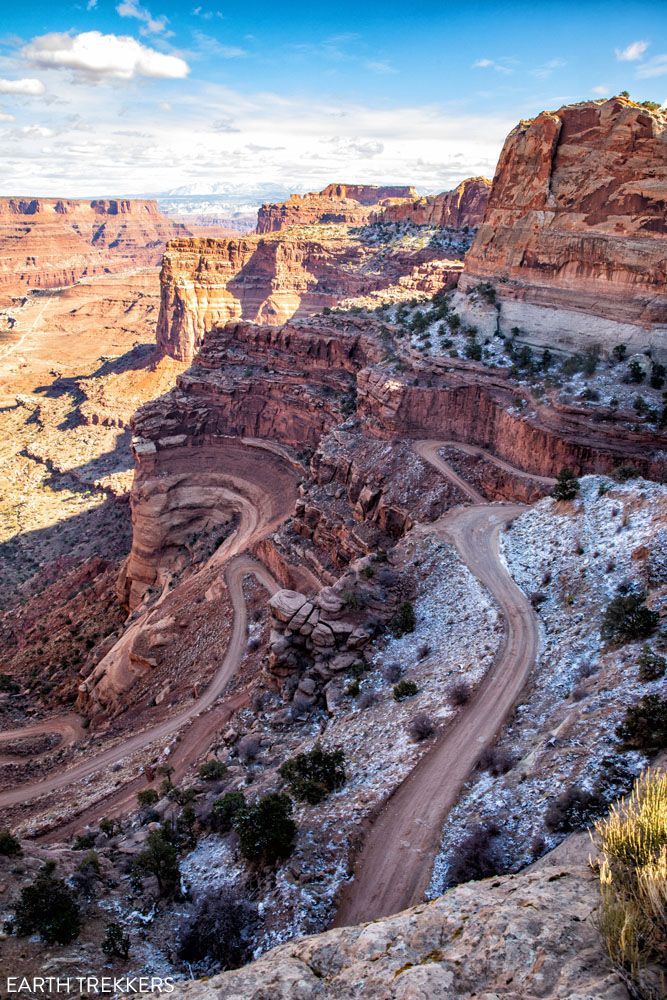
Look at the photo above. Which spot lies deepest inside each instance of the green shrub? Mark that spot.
(84, 841)
(8, 685)
(212, 770)
(313, 775)
(567, 485)
(266, 829)
(574, 809)
(9, 845)
(218, 936)
(159, 858)
(635, 372)
(404, 620)
(48, 908)
(225, 809)
(622, 473)
(657, 379)
(147, 797)
(405, 689)
(619, 352)
(651, 666)
(627, 618)
(115, 944)
(644, 726)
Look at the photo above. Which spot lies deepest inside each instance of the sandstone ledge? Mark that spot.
(522, 936)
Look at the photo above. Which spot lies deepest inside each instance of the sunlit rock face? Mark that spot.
(574, 239)
(53, 242)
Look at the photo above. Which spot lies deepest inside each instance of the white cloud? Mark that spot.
(152, 25)
(632, 52)
(654, 67)
(601, 90)
(379, 66)
(4, 117)
(27, 88)
(544, 71)
(91, 5)
(98, 57)
(492, 64)
(210, 46)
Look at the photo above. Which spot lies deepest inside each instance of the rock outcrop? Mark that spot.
(51, 242)
(529, 935)
(270, 279)
(350, 203)
(463, 207)
(573, 248)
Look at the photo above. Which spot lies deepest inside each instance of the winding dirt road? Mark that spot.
(236, 569)
(394, 865)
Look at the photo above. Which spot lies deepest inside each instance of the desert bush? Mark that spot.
(367, 698)
(248, 748)
(218, 935)
(8, 685)
(476, 856)
(459, 693)
(633, 885)
(159, 858)
(651, 665)
(635, 373)
(313, 775)
(266, 829)
(404, 620)
(9, 845)
(147, 797)
(627, 618)
(567, 485)
(115, 944)
(405, 689)
(224, 810)
(212, 770)
(84, 841)
(496, 761)
(421, 727)
(575, 808)
(622, 473)
(644, 726)
(47, 907)
(392, 672)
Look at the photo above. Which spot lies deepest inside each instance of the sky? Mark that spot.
(112, 97)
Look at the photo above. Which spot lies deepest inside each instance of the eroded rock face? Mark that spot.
(463, 207)
(50, 242)
(270, 279)
(574, 239)
(526, 935)
(350, 203)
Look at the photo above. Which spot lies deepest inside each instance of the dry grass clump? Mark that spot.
(633, 885)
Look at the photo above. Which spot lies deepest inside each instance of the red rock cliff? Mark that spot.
(51, 242)
(350, 203)
(464, 206)
(574, 241)
(272, 278)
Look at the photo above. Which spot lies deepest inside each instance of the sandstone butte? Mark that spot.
(53, 242)
(573, 247)
(357, 204)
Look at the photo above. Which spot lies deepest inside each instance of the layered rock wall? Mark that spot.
(270, 279)
(574, 240)
(464, 207)
(349, 203)
(51, 242)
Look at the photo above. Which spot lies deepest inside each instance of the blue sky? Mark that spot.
(120, 97)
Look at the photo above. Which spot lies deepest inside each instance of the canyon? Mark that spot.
(49, 243)
(306, 500)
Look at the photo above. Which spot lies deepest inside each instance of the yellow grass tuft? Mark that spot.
(633, 885)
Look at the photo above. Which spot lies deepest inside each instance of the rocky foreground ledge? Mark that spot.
(521, 936)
